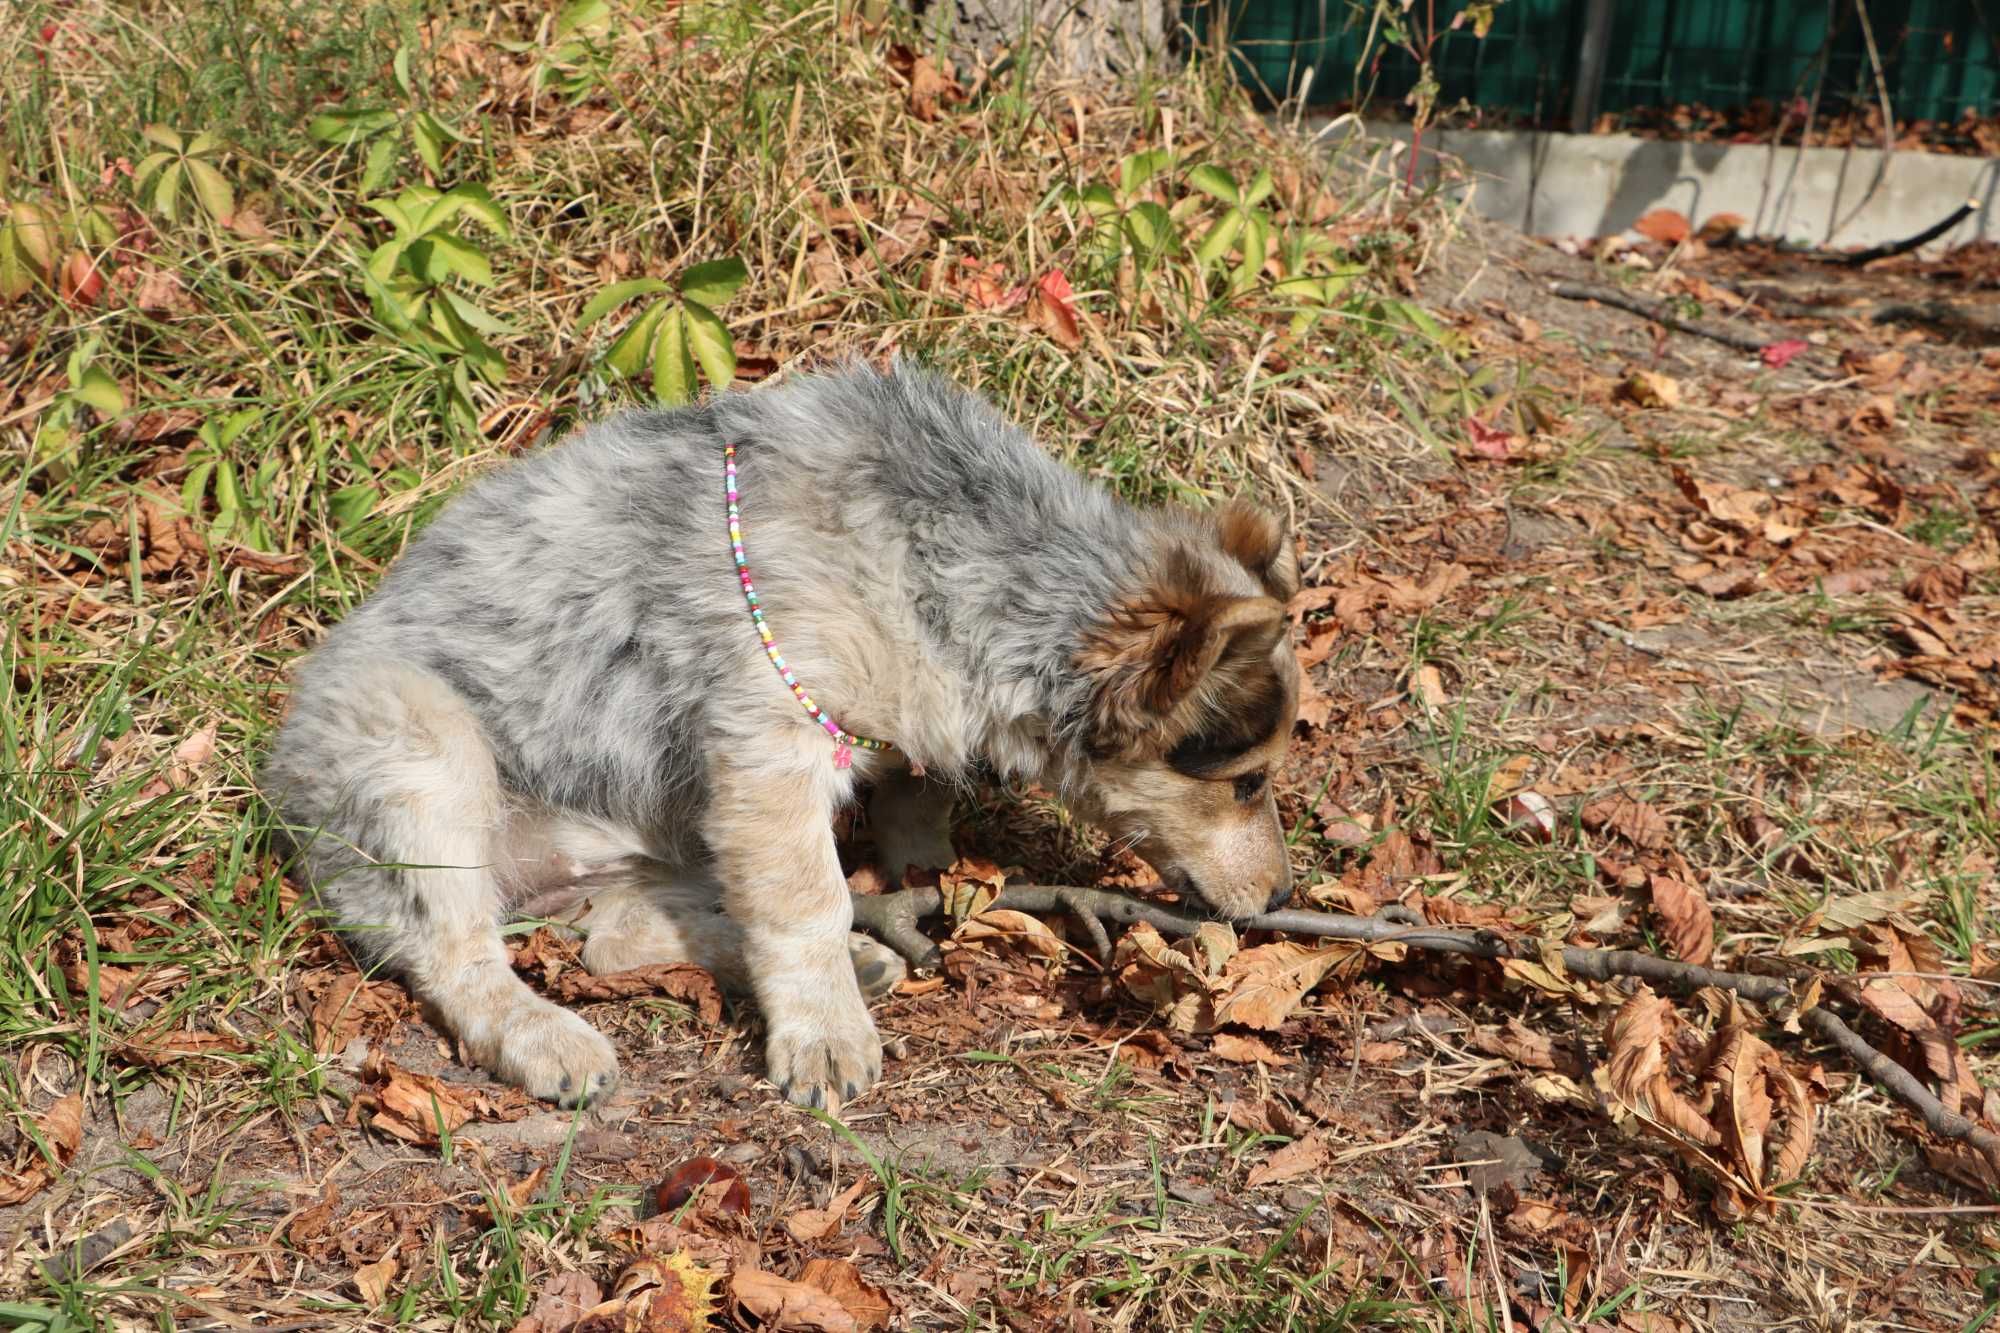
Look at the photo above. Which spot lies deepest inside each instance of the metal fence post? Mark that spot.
(1591, 57)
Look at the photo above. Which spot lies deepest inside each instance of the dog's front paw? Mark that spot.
(827, 1063)
(551, 1053)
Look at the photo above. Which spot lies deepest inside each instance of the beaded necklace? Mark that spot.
(844, 741)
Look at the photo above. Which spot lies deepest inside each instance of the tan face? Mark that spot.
(1203, 812)
(1195, 692)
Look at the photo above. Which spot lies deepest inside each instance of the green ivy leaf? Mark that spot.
(100, 391)
(211, 189)
(713, 283)
(630, 349)
(673, 368)
(614, 296)
(709, 338)
(1219, 239)
(375, 168)
(1213, 181)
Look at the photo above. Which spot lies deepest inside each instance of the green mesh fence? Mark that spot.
(1940, 58)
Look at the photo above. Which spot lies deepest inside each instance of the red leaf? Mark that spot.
(687, 1180)
(1052, 307)
(1778, 353)
(1488, 442)
(1663, 225)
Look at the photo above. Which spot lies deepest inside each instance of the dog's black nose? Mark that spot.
(1279, 897)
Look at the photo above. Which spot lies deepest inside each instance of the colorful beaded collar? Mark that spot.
(844, 742)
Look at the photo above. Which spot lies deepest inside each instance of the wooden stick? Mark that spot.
(894, 916)
(1658, 313)
(1909, 243)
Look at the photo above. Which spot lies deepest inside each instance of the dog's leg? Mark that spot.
(911, 819)
(770, 828)
(392, 769)
(667, 918)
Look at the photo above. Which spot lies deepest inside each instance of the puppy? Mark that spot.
(560, 703)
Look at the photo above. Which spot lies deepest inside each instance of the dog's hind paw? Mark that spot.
(825, 1066)
(551, 1053)
(878, 968)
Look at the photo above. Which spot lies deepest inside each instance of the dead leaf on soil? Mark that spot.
(1666, 225)
(61, 1129)
(855, 1293)
(1052, 309)
(1650, 388)
(1262, 986)
(562, 1301)
(1639, 1076)
(155, 1047)
(1631, 819)
(372, 1280)
(1248, 1050)
(970, 886)
(1297, 1158)
(1178, 980)
(693, 986)
(811, 1224)
(416, 1107)
(1004, 928)
(695, 1176)
(354, 1006)
(1684, 911)
(781, 1303)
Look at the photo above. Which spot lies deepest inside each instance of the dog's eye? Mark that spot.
(1250, 786)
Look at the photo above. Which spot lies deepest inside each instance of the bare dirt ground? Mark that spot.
(1619, 637)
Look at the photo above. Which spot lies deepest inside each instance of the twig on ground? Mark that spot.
(1658, 313)
(1908, 243)
(894, 916)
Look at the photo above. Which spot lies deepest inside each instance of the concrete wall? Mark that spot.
(1599, 184)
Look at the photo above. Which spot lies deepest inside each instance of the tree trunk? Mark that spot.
(1072, 36)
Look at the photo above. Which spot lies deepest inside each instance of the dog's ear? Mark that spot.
(1166, 655)
(1258, 540)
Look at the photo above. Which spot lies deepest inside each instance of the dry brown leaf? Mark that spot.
(1637, 1073)
(415, 1107)
(1684, 911)
(1630, 818)
(154, 1047)
(693, 986)
(1896, 1006)
(1177, 980)
(354, 1006)
(970, 886)
(1248, 1050)
(1666, 225)
(1793, 1142)
(1297, 1158)
(1743, 1098)
(1650, 388)
(1523, 1045)
(781, 1303)
(810, 1224)
(1427, 685)
(1262, 986)
(372, 1280)
(1052, 309)
(856, 1294)
(1005, 928)
(61, 1129)
(562, 1301)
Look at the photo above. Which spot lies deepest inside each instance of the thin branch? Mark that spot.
(893, 916)
(1658, 313)
(1909, 243)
